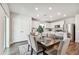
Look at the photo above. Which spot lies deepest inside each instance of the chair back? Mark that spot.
(60, 47)
(63, 46)
(33, 43)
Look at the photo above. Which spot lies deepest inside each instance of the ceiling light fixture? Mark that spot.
(50, 16)
(37, 15)
(50, 8)
(36, 8)
(65, 15)
(58, 13)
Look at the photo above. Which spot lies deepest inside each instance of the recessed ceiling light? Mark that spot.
(50, 16)
(58, 13)
(37, 15)
(65, 15)
(50, 8)
(36, 8)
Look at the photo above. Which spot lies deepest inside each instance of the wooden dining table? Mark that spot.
(47, 44)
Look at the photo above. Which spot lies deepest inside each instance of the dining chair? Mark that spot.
(29, 44)
(65, 46)
(34, 46)
(61, 50)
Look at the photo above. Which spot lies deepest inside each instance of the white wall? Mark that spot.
(77, 28)
(70, 20)
(35, 24)
(2, 15)
(21, 27)
(57, 23)
(5, 6)
(1, 29)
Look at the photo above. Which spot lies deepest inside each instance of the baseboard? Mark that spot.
(17, 42)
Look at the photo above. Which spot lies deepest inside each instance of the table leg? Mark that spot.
(31, 50)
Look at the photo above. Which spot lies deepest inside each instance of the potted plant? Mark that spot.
(40, 30)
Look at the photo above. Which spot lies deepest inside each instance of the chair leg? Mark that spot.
(28, 47)
(37, 53)
(31, 50)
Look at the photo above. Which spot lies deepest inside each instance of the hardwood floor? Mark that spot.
(73, 49)
(13, 50)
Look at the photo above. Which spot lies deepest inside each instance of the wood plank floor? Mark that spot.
(73, 49)
(13, 50)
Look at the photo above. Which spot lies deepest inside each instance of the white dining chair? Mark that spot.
(34, 45)
(61, 49)
(63, 46)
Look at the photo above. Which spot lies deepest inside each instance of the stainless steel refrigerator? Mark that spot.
(71, 31)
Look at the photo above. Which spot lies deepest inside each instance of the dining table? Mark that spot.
(47, 43)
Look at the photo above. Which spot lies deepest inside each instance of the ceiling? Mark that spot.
(45, 11)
